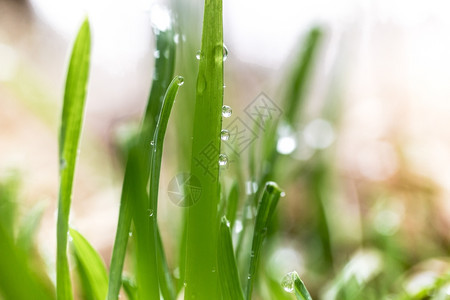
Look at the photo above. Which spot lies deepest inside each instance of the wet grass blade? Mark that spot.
(202, 221)
(71, 122)
(165, 281)
(92, 266)
(226, 264)
(266, 209)
(163, 73)
(292, 282)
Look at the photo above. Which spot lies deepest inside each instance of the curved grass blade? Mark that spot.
(266, 209)
(72, 117)
(163, 73)
(292, 283)
(202, 221)
(92, 268)
(226, 264)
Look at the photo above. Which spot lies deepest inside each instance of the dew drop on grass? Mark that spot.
(226, 111)
(224, 135)
(198, 55)
(130, 233)
(288, 282)
(223, 159)
(180, 80)
(176, 38)
(152, 143)
(225, 52)
(150, 212)
(156, 54)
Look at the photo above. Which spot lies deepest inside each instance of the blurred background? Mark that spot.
(372, 143)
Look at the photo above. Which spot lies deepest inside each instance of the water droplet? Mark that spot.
(225, 52)
(282, 194)
(176, 38)
(226, 111)
(130, 233)
(201, 84)
(223, 159)
(213, 270)
(252, 254)
(152, 143)
(180, 80)
(156, 54)
(238, 226)
(224, 86)
(198, 55)
(150, 212)
(224, 135)
(249, 277)
(288, 282)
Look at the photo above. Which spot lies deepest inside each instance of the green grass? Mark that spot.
(71, 122)
(229, 239)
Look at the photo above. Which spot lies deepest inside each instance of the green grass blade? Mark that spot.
(8, 202)
(266, 209)
(226, 264)
(91, 264)
(163, 73)
(292, 283)
(301, 75)
(202, 220)
(72, 116)
(17, 279)
(168, 290)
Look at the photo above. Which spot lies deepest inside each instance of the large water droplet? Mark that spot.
(223, 159)
(225, 52)
(224, 135)
(198, 55)
(226, 111)
(180, 80)
(288, 282)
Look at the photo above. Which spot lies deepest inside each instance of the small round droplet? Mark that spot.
(180, 80)
(288, 282)
(224, 135)
(150, 212)
(226, 111)
(156, 54)
(130, 233)
(223, 159)
(198, 55)
(225, 52)
(152, 143)
(282, 194)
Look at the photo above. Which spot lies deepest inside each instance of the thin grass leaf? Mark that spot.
(266, 209)
(293, 284)
(167, 286)
(8, 202)
(17, 279)
(72, 117)
(91, 264)
(226, 264)
(202, 221)
(301, 75)
(163, 73)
